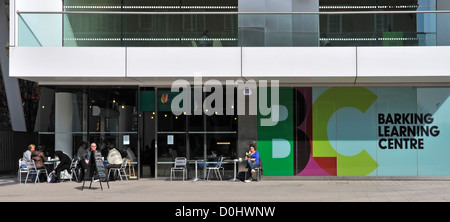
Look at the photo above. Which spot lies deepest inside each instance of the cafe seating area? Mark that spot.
(176, 169)
(214, 168)
(27, 171)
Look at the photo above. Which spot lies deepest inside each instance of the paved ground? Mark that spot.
(267, 190)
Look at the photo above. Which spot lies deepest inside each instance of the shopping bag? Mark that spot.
(51, 178)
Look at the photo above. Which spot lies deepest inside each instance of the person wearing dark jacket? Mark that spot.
(85, 162)
(64, 164)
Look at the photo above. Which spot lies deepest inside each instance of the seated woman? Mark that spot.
(252, 159)
(39, 159)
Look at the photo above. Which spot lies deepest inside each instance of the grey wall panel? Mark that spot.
(251, 36)
(278, 29)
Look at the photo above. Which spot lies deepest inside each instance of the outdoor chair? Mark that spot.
(180, 165)
(22, 169)
(44, 170)
(120, 170)
(32, 171)
(73, 169)
(258, 171)
(216, 169)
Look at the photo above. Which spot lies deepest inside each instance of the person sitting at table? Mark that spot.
(82, 150)
(27, 154)
(252, 158)
(39, 159)
(64, 164)
(114, 159)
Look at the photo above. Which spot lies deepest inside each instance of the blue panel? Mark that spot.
(395, 161)
(433, 158)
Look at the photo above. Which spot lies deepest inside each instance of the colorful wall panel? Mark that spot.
(277, 140)
(374, 131)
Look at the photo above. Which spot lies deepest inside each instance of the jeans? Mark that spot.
(251, 165)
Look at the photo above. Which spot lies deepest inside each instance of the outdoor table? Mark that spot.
(234, 179)
(212, 162)
(53, 162)
(196, 178)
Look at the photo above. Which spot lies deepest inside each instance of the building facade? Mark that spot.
(324, 88)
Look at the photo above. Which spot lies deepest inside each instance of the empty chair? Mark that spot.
(180, 165)
(73, 168)
(216, 169)
(120, 170)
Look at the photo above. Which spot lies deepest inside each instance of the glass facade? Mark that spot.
(69, 116)
(321, 131)
(197, 137)
(127, 117)
(384, 29)
(330, 23)
(150, 30)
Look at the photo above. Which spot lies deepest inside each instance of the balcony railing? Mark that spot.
(232, 29)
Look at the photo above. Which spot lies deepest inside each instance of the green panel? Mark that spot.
(275, 143)
(147, 101)
(165, 100)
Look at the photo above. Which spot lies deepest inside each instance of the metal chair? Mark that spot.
(258, 171)
(120, 170)
(22, 169)
(216, 169)
(44, 170)
(73, 167)
(32, 171)
(180, 165)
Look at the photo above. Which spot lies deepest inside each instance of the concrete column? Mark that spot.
(63, 122)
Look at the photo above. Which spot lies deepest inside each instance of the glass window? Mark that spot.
(72, 115)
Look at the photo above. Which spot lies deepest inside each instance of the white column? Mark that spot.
(63, 122)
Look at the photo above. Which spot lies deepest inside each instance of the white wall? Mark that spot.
(391, 65)
(300, 65)
(68, 61)
(291, 65)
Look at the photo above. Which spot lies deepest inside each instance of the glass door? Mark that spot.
(171, 133)
(147, 130)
